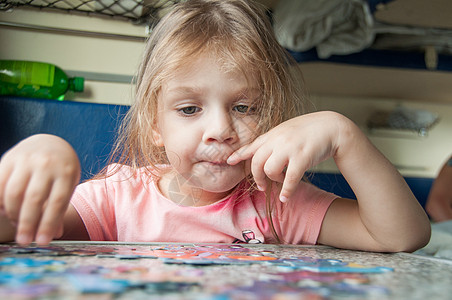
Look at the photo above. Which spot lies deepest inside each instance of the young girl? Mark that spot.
(213, 150)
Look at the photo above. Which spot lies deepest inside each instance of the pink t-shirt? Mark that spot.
(130, 208)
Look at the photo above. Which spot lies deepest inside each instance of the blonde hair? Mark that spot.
(239, 34)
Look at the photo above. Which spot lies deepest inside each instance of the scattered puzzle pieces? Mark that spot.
(169, 270)
(327, 265)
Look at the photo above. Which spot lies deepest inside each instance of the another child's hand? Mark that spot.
(439, 201)
(37, 178)
(287, 151)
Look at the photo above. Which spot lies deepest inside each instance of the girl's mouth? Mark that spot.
(216, 163)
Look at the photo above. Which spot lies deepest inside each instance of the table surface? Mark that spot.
(81, 270)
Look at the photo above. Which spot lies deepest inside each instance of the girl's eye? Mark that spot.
(243, 109)
(189, 110)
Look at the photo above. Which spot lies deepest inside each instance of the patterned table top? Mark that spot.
(79, 270)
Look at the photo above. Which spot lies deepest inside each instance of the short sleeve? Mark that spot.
(93, 203)
(300, 219)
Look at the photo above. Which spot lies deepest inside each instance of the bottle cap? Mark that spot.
(77, 84)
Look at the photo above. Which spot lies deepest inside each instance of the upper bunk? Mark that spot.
(414, 34)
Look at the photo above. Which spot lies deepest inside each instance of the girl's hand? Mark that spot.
(37, 178)
(385, 214)
(285, 153)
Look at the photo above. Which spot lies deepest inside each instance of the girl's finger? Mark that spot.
(35, 198)
(5, 172)
(245, 152)
(241, 154)
(257, 168)
(14, 192)
(292, 178)
(52, 218)
(274, 167)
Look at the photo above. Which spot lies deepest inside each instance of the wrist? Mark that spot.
(348, 137)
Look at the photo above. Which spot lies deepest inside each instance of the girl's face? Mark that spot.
(205, 114)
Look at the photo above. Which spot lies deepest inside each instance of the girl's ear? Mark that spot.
(158, 140)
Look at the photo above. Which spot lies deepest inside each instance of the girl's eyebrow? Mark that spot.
(245, 91)
(185, 90)
(249, 92)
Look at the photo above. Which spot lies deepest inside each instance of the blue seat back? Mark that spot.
(336, 183)
(90, 128)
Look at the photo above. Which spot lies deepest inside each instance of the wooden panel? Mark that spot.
(422, 13)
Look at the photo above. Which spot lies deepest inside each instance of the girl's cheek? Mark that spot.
(173, 159)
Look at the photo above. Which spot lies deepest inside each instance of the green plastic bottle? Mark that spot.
(36, 80)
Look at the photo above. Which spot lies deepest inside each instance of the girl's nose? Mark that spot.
(220, 128)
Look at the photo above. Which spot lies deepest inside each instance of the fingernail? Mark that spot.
(283, 199)
(42, 239)
(230, 160)
(23, 239)
(261, 188)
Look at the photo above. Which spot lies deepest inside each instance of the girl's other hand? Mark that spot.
(287, 151)
(37, 178)
(386, 212)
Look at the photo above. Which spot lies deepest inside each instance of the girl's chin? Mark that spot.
(199, 190)
(217, 184)
(219, 180)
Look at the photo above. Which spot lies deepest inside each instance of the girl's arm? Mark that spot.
(37, 178)
(386, 217)
(74, 228)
